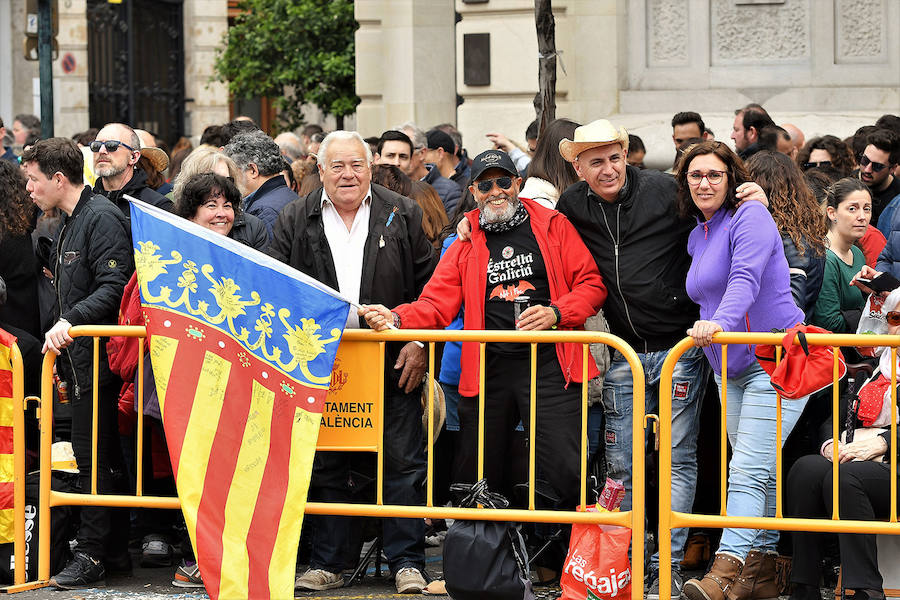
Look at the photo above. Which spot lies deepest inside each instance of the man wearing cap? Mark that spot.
(627, 218)
(525, 269)
(117, 149)
(441, 152)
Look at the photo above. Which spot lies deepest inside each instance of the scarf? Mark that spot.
(519, 217)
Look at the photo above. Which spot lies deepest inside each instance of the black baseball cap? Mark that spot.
(493, 159)
(439, 139)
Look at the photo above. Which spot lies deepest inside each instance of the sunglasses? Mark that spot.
(485, 185)
(892, 317)
(111, 145)
(815, 165)
(876, 166)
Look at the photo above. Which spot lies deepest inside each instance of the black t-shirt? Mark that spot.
(516, 279)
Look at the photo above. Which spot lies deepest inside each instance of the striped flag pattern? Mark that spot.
(7, 463)
(242, 349)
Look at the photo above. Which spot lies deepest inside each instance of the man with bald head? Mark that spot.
(290, 145)
(797, 138)
(367, 242)
(117, 149)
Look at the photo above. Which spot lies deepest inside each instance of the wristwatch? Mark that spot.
(558, 316)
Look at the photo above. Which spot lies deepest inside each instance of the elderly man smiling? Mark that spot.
(367, 242)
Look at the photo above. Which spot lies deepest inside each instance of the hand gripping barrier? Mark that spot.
(668, 519)
(633, 519)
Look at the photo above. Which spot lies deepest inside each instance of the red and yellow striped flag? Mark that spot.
(242, 349)
(7, 462)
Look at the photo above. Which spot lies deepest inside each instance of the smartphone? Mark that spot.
(883, 283)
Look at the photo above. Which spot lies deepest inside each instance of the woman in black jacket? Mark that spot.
(864, 483)
(18, 265)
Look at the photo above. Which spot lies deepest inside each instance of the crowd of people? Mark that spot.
(567, 231)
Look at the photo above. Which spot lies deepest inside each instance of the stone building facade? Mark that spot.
(205, 102)
(828, 66)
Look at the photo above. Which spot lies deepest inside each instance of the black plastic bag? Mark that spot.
(485, 560)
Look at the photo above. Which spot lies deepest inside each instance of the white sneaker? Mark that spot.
(409, 580)
(319, 579)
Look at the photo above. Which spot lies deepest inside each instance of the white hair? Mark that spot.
(341, 135)
(418, 137)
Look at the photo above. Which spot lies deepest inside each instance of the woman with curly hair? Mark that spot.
(18, 265)
(827, 152)
(799, 220)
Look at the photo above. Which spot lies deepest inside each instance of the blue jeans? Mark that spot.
(688, 384)
(750, 421)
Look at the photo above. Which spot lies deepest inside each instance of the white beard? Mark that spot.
(491, 215)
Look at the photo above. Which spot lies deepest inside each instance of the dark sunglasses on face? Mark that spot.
(892, 317)
(485, 185)
(876, 166)
(111, 145)
(815, 165)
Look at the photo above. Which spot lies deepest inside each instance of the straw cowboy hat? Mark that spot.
(157, 157)
(439, 414)
(592, 135)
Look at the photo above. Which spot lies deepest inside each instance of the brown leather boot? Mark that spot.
(757, 579)
(716, 582)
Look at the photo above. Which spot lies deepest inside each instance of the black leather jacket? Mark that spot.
(92, 260)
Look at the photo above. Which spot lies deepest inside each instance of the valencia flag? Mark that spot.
(7, 462)
(242, 348)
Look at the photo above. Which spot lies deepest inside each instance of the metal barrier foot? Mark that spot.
(24, 587)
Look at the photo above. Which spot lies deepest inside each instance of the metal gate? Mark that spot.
(136, 65)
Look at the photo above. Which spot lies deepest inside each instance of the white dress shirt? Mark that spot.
(347, 248)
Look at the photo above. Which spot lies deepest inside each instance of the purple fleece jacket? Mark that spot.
(739, 272)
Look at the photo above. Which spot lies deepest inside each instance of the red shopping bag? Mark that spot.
(597, 566)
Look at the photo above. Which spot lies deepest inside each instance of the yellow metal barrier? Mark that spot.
(669, 519)
(633, 519)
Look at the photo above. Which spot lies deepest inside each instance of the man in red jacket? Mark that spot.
(525, 269)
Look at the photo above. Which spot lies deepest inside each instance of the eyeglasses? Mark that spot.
(486, 185)
(815, 165)
(694, 178)
(111, 145)
(892, 317)
(876, 166)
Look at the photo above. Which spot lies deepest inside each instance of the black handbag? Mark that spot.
(485, 560)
